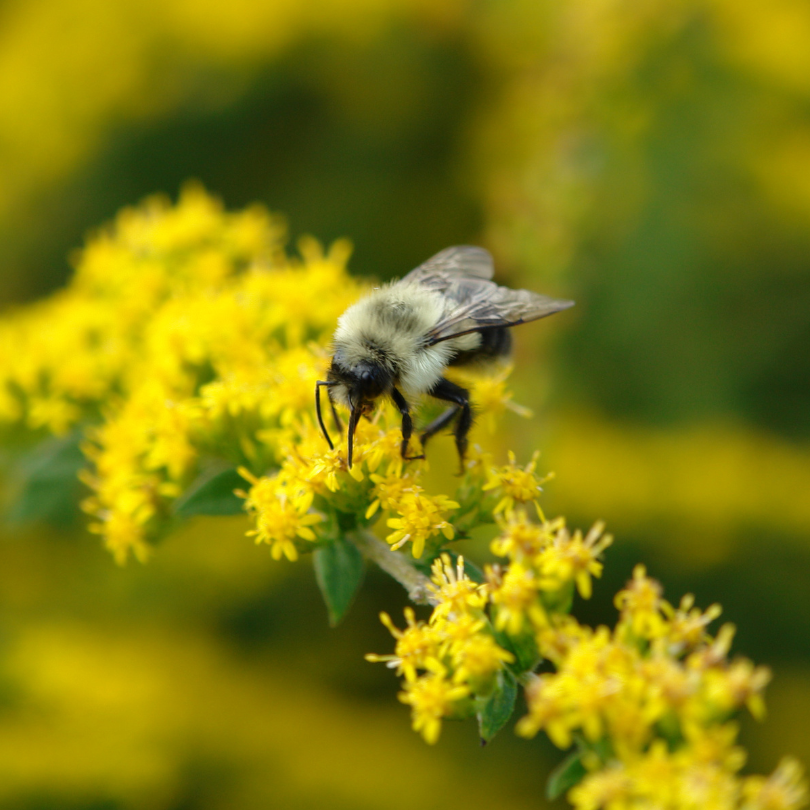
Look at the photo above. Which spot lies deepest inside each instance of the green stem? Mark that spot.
(397, 566)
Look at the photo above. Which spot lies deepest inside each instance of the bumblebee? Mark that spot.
(398, 340)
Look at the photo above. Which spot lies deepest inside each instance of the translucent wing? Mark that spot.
(450, 266)
(484, 305)
(462, 274)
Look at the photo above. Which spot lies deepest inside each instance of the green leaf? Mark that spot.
(48, 487)
(523, 647)
(567, 774)
(212, 494)
(497, 710)
(339, 571)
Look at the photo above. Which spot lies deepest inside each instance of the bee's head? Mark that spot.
(357, 386)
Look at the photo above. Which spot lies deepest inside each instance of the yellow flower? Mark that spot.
(477, 658)
(282, 514)
(328, 469)
(515, 595)
(687, 625)
(575, 558)
(431, 698)
(389, 491)
(455, 592)
(490, 395)
(640, 605)
(522, 540)
(739, 684)
(54, 413)
(549, 710)
(609, 788)
(416, 646)
(784, 789)
(518, 485)
(420, 517)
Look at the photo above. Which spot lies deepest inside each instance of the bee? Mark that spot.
(397, 341)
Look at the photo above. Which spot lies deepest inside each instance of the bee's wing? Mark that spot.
(462, 275)
(452, 264)
(480, 304)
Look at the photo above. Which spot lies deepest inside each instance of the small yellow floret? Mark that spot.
(431, 698)
(420, 517)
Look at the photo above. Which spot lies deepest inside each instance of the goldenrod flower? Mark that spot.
(549, 710)
(188, 338)
(476, 659)
(640, 604)
(420, 517)
(520, 539)
(575, 558)
(431, 698)
(518, 485)
(490, 395)
(687, 624)
(389, 491)
(515, 595)
(609, 788)
(455, 592)
(417, 645)
(784, 789)
(282, 513)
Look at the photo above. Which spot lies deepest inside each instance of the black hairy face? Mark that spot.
(362, 382)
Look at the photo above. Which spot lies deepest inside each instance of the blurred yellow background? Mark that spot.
(649, 159)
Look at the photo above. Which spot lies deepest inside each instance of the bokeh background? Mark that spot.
(650, 159)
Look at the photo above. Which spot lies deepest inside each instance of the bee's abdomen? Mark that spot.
(495, 343)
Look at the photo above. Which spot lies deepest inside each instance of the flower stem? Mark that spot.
(395, 565)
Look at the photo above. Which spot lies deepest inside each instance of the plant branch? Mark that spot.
(395, 565)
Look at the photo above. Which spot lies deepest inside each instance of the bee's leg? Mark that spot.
(438, 423)
(460, 397)
(407, 424)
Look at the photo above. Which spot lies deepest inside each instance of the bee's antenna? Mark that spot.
(354, 418)
(320, 416)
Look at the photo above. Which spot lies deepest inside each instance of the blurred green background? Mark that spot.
(649, 159)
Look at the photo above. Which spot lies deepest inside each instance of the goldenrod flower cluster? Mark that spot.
(477, 629)
(188, 341)
(188, 345)
(652, 700)
(649, 704)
